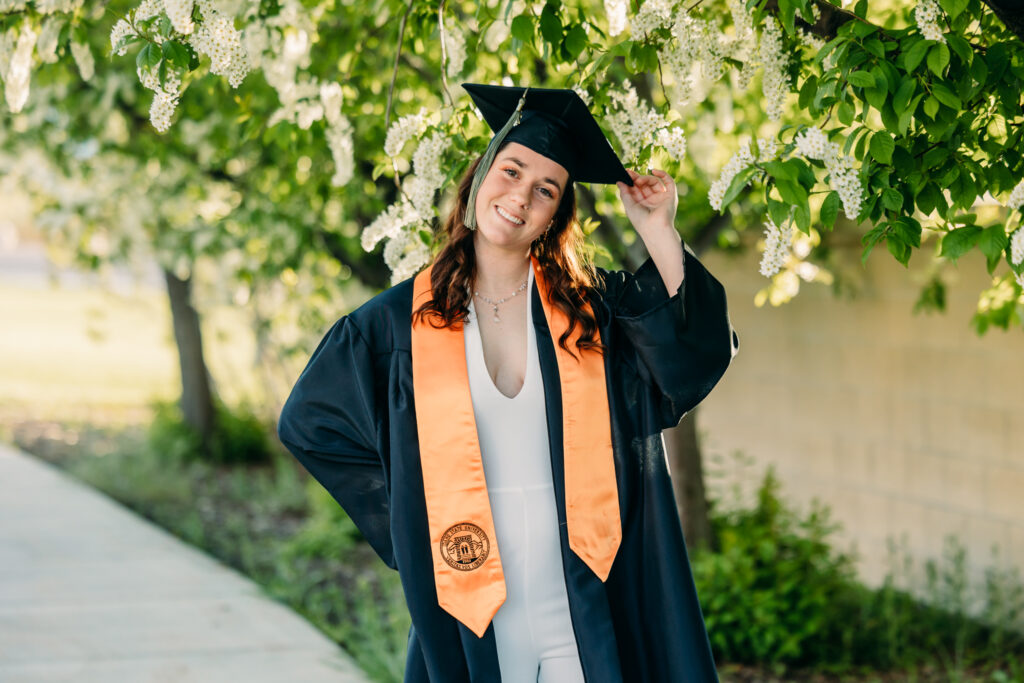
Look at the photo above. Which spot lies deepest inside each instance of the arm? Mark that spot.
(330, 425)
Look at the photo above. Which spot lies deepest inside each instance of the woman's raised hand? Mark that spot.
(651, 203)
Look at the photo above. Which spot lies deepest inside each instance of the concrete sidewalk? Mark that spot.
(90, 591)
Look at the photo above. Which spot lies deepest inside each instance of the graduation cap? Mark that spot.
(553, 122)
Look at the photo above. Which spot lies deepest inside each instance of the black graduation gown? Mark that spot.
(351, 421)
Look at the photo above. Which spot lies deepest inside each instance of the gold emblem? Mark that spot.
(465, 546)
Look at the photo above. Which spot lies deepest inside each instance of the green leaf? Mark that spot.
(802, 218)
(875, 47)
(175, 53)
(861, 9)
(739, 182)
(780, 170)
(791, 192)
(550, 24)
(779, 211)
(961, 47)
(909, 230)
(845, 113)
(871, 239)
(931, 106)
(148, 57)
(882, 146)
(903, 94)
(861, 79)
(944, 95)
(877, 96)
(522, 27)
(576, 40)
(993, 241)
(953, 7)
(892, 199)
(957, 242)
(938, 58)
(807, 92)
(913, 56)
(899, 250)
(830, 209)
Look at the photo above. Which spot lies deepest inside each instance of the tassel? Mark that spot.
(485, 164)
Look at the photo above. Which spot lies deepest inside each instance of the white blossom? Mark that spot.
(616, 11)
(83, 59)
(148, 9)
(407, 255)
(634, 123)
(308, 112)
(584, 95)
(402, 130)
(165, 97)
(331, 98)
(8, 40)
(739, 161)
(813, 144)
(388, 224)
(426, 165)
(673, 141)
(455, 47)
(767, 149)
(46, 43)
(122, 29)
(776, 247)
(16, 80)
(926, 14)
(339, 140)
(57, 6)
(180, 14)
(1017, 247)
(1016, 199)
(217, 38)
(775, 81)
(12, 5)
(653, 14)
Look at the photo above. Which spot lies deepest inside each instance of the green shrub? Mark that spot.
(326, 533)
(239, 436)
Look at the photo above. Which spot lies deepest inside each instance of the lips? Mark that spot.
(509, 216)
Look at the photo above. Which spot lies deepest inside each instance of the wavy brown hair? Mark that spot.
(567, 269)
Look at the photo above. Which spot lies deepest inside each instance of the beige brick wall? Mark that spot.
(905, 425)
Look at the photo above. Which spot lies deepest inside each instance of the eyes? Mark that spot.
(514, 173)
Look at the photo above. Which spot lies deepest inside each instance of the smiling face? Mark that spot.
(518, 197)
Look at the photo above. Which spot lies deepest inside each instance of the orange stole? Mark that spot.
(467, 566)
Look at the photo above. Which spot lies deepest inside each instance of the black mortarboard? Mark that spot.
(552, 122)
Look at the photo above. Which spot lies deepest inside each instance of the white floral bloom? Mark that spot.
(776, 247)
(148, 9)
(426, 165)
(407, 254)
(1017, 247)
(584, 95)
(388, 224)
(455, 46)
(402, 130)
(83, 59)
(653, 14)
(217, 38)
(180, 14)
(673, 141)
(122, 29)
(775, 81)
(926, 14)
(633, 122)
(165, 97)
(307, 112)
(46, 43)
(809, 40)
(767, 149)
(1019, 278)
(739, 161)
(16, 82)
(742, 21)
(1016, 199)
(339, 140)
(331, 98)
(616, 11)
(813, 144)
(11, 6)
(8, 40)
(57, 6)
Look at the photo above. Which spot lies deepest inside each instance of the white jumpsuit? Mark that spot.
(533, 629)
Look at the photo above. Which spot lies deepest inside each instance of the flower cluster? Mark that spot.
(83, 59)
(46, 43)
(926, 14)
(402, 130)
(1016, 199)
(744, 157)
(218, 38)
(57, 6)
(165, 97)
(673, 141)
(122, 29)
(180, 14)
(388, 225)
(19, 69)
(428, 176)
(776, 247)
(455, 47)
(406, 253)
(339, 134)
(616, 11)
(813, 144)
(653, 15)
(634, 123)
(1017, 247)
(775, 81)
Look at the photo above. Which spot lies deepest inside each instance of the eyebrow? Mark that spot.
(522, 165)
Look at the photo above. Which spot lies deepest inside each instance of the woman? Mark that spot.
(510, 464)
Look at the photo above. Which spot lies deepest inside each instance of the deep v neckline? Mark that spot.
(478, 342)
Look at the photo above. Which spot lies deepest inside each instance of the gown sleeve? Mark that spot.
(683, 342)
(330, 425)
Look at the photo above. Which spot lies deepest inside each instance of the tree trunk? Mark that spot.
(196, 395)
(688, 480)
